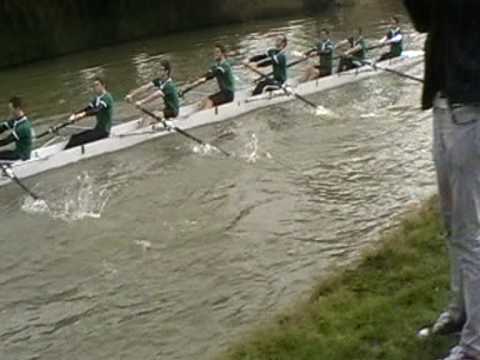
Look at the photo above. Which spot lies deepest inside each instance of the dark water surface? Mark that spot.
(160, 252)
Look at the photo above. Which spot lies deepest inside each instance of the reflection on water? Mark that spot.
(164, 252)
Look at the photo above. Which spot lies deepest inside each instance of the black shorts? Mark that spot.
(170, 114)
(270, 84)
(9, 155)
(348, 64)
(86, 137)
(221, 97)
(323, 71)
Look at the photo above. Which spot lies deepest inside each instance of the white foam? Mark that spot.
(81, 200)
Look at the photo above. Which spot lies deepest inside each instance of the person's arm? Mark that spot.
(200, 81)
(154, 96)
(384, 40)
(208, 76)
(10, 139)
(395, 39)
(140, 90)
(91, 110)
(265, 63)
(258, 58)
(263, 60)
(213, 72)
(343, 43)
(328, 50)
(4, 127)
(420, 11)
(257, 64)
(353, 50)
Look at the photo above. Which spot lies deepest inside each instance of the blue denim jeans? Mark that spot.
(456, 155)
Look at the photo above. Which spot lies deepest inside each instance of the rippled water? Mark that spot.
(166, 252)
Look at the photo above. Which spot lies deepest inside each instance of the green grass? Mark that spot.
(370, 312)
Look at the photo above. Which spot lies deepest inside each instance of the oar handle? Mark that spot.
(256, 71)
(189, 88)
(54, 129)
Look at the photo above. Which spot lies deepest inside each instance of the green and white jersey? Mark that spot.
(362, 53)
(224, 74)
(325, 50)
(22, 132)
(279, 64)
(171, 98)
(395, 37)
(104, 115)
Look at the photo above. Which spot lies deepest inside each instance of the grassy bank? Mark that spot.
(370, 312)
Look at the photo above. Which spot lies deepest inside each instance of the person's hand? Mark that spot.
(72, 117)
(168, 124)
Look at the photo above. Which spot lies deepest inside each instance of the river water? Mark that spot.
(163, 252)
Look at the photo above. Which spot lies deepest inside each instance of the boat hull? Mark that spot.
(128, 135)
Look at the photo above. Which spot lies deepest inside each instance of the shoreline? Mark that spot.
(368, 311)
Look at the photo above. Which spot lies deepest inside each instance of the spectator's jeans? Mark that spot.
(457, 161)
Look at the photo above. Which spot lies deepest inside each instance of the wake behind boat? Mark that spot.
(130, 134)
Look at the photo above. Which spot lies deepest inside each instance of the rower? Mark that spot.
(21, 133)
(101, 107)
(394, 38)
(165, 88)
(222, 71)
(353, 57)
(278, 60)
(325, 49)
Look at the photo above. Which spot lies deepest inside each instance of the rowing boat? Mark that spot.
(129, 134)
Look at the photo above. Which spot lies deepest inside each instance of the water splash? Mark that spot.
(368, 116)
(109, 270)
(204, 150)
(81, 200)
(323, 111)
(252, 151)
(145, 245)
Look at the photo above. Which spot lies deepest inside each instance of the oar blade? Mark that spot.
(8, 172)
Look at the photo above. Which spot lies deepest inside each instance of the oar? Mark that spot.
(392, 71)
(287, 89)
(189, 88)
(56, 128)
(7, 171)
(182, 132)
